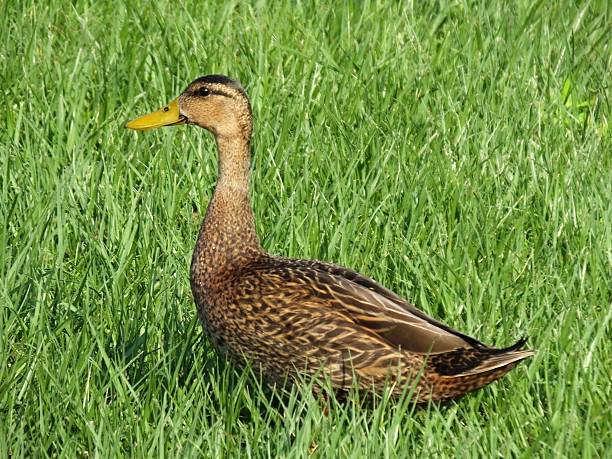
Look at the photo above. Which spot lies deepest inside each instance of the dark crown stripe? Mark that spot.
(222, 80)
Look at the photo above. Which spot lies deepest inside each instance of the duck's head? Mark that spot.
(214, 102)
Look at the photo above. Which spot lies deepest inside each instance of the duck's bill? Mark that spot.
(167, 116)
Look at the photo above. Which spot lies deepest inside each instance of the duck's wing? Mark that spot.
(372, 306)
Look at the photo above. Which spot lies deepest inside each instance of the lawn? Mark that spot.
(457, 152)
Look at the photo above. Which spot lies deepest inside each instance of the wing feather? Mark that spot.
(376, 308)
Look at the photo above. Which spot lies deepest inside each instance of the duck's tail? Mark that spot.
(461, 371)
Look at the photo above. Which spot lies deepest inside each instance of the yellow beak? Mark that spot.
(167, 116)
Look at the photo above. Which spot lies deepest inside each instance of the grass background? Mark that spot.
(458, 152)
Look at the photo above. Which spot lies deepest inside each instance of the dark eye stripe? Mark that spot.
(204, 92)
(220, 93)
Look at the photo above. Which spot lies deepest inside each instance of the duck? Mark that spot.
(293, 318)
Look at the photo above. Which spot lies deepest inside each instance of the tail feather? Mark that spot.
(515, 347)
(498, 361)
(464, 370)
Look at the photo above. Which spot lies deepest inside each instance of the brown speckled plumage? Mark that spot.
(289, 317)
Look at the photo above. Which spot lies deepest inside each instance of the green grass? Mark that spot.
(460, 153)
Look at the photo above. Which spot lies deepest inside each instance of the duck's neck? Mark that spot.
(234, 160)
(227, 238)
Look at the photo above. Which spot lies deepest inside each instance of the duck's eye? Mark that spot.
(202, 92)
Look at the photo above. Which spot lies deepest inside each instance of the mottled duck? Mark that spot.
(291, 317)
